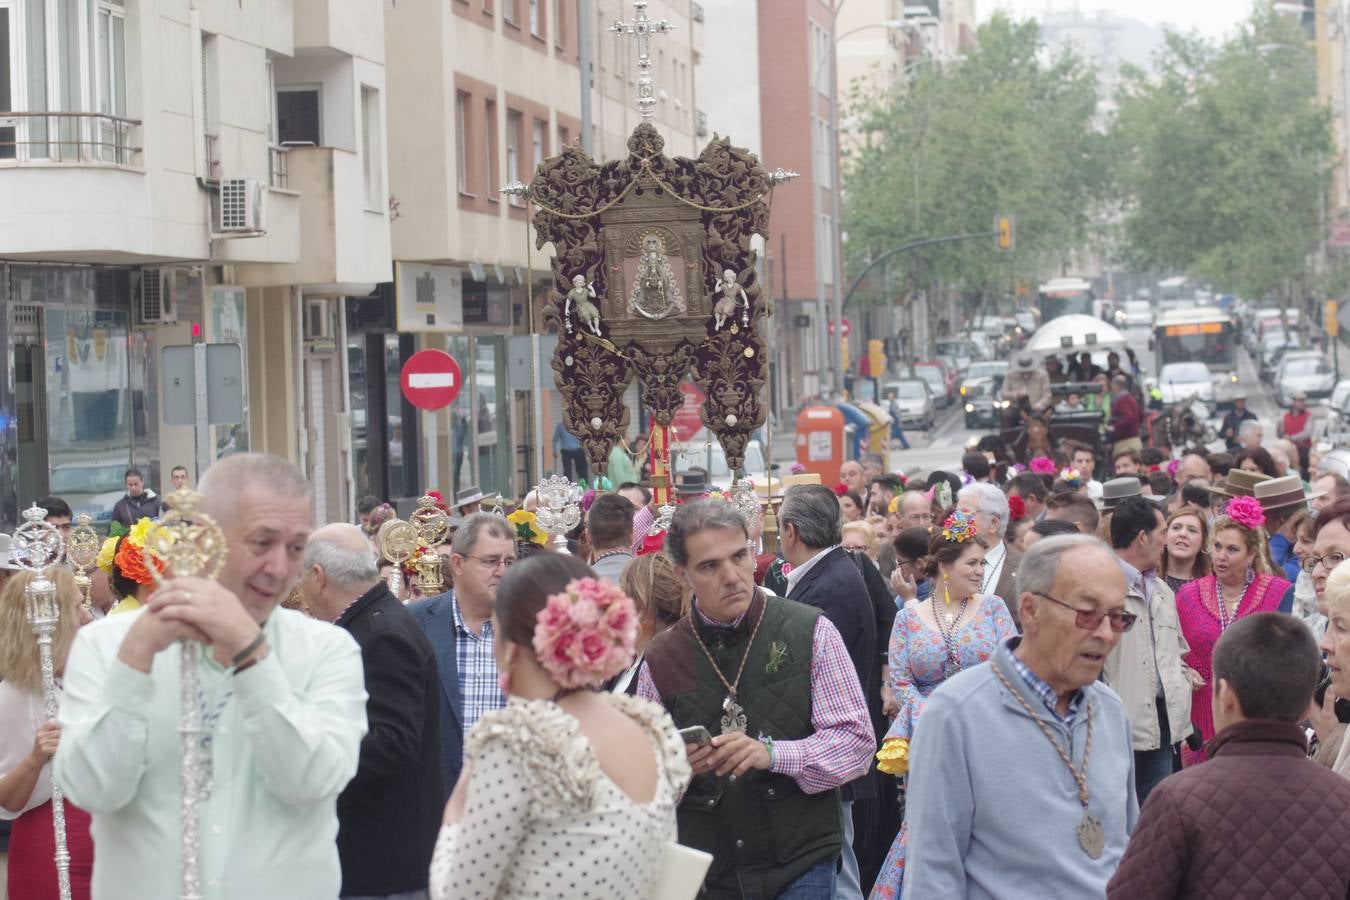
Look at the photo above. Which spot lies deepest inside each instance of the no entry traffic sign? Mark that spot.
(431, 379)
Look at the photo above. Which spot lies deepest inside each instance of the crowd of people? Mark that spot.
(1066, 678)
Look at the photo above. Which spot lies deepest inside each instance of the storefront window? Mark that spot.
(88, 407)
(493, 415)
(461, 419)
(229, 325)
(398, 449)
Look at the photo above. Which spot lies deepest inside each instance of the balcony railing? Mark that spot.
(277, 171)
(71, 138)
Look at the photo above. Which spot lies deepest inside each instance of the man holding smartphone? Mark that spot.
(771, 683)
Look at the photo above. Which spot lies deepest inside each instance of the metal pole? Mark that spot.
(202, 431)
(836, 246)
(585, 52)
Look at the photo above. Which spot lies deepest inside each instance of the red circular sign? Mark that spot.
(431, 379)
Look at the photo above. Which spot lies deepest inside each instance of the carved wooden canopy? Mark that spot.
(651, 238)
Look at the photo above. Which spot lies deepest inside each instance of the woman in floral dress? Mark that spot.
(956, 628)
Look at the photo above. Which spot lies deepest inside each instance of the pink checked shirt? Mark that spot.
(841, 748)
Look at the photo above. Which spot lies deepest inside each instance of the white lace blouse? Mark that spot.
(543, 820)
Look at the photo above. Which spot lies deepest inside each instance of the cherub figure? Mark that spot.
(733, 295)
(583, 295)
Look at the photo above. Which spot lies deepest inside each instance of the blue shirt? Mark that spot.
(564, 439)
(1042, 688)
(479, 689)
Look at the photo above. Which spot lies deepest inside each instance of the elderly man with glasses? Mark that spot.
(459, 625)
(1021, 773)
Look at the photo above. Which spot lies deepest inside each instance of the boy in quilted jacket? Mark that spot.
(1259, 819)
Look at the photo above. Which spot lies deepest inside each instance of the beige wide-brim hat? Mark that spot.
(1239, 483)
(1282, 492)
(1024, 362)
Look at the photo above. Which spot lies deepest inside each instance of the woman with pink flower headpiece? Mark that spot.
(567, 792)
(1241, 583)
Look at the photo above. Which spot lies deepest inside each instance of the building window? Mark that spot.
(462, 137)
(298, 116)
(490, 147)
(536, 26)
(372, 157)
(8, 147)
(564, 137)
(557, 10)
(509, 12)
(539, 141)
(515, 123)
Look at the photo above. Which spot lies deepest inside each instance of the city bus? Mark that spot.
(1065, 297)
(1207, 335)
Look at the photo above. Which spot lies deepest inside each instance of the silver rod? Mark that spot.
(44, 633)
(193, 772)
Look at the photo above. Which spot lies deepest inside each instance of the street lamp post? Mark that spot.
(828, 358)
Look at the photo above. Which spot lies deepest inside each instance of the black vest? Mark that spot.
(762, 830)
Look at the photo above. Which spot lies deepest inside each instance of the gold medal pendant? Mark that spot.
(1091, 835)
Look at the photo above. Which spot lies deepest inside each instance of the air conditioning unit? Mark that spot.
(157, 297)
(241, 209)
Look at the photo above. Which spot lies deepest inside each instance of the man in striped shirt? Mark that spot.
(772, 683)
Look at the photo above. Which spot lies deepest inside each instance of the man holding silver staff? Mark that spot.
(282, 705)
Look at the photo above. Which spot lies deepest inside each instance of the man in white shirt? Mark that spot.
(283, 702)
(989, 506)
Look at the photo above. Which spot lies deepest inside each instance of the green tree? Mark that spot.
(1225, 157)
(1005, 129)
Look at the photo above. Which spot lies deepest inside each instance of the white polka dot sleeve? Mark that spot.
(473, 856)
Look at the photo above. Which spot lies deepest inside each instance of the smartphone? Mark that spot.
(696, 734)
(1342, 704)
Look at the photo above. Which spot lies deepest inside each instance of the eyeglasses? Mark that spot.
(1331, 561)
(1090, 619)
(494, 562)
(901, 563)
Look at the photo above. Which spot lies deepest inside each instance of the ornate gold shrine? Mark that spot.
(650, 238)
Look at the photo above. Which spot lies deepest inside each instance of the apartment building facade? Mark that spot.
(179, 172)
(482, 92)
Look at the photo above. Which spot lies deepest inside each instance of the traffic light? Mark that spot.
(1005, 233)
(876, 357)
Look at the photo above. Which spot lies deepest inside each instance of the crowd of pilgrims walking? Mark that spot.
(1009, 682)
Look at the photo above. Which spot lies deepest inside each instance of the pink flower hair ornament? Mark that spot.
(586, 633)
(1246, 511)
(1042, 465)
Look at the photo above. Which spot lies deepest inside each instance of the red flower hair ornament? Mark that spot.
(586, 633)
(1246, 511)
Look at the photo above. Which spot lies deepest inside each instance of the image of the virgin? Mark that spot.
(653, 278)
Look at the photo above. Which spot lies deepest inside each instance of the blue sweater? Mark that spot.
(991, 807)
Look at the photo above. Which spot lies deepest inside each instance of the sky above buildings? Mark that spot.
(1213, 18)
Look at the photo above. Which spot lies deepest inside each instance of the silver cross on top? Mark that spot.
(643, 28)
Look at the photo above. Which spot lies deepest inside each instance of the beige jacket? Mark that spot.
(1130, 673)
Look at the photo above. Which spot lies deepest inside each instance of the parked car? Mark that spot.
(90, 487)
(1178, 381)
(708, 455)
(914, 396)
(1272, 349)
(960, 349)
(1336, 424)
(1307, 371)
(941, 380)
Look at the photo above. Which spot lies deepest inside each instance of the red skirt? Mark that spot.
(32, 854)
